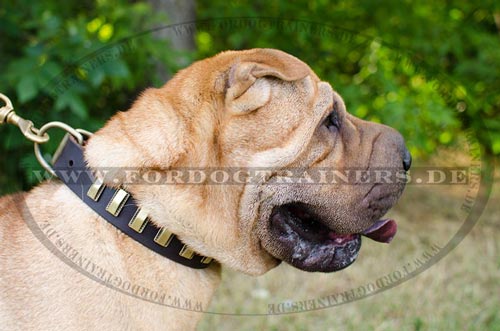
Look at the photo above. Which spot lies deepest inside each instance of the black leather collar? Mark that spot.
(119, 208)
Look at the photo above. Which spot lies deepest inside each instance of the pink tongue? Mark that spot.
(382, 231)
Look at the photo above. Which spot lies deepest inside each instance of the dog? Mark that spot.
(252, 109)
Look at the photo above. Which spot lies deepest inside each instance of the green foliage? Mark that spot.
(430, 69)
(76, 62)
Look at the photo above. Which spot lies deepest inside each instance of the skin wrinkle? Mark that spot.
(321, 157)
(215, 144)
(345, 141)
(360, 136)
(340, 163)
(341, 114)
(359, 132)
(125, 132)
(369, 191)
(240, 197)
(291, 132)
(374, 141)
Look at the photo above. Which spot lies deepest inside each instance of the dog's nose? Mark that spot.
(406, 159)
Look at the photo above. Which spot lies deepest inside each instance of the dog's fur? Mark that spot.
(255, 108)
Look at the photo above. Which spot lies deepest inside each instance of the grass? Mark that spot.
(460, 292)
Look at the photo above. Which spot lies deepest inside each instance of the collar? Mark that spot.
(119, 208)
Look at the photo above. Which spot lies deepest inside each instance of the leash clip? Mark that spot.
(7, 115)
(38, 136)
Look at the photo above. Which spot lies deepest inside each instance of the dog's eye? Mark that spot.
(332, 122)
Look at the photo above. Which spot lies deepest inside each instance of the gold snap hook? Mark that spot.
(37, 136)
(5, 110)
(7, 115)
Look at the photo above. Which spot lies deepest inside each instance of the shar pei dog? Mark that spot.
(63, 266)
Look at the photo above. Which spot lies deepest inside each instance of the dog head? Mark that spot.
(258, 109)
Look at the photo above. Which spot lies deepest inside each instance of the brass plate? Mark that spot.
(139, 221)
(163, 237)
(116, 204)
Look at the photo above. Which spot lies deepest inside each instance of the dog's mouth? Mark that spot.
(308, 244)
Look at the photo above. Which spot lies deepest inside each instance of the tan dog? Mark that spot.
(256, 108)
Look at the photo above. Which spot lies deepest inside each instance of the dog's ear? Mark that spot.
(245, 91)
(149, 135)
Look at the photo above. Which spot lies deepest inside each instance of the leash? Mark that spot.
(116, 206)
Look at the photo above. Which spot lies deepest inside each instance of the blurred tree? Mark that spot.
(179, 11)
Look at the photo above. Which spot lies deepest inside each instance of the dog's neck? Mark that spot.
(132, 262)
(116, 206)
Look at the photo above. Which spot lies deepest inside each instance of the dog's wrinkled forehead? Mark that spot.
(273, 121)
